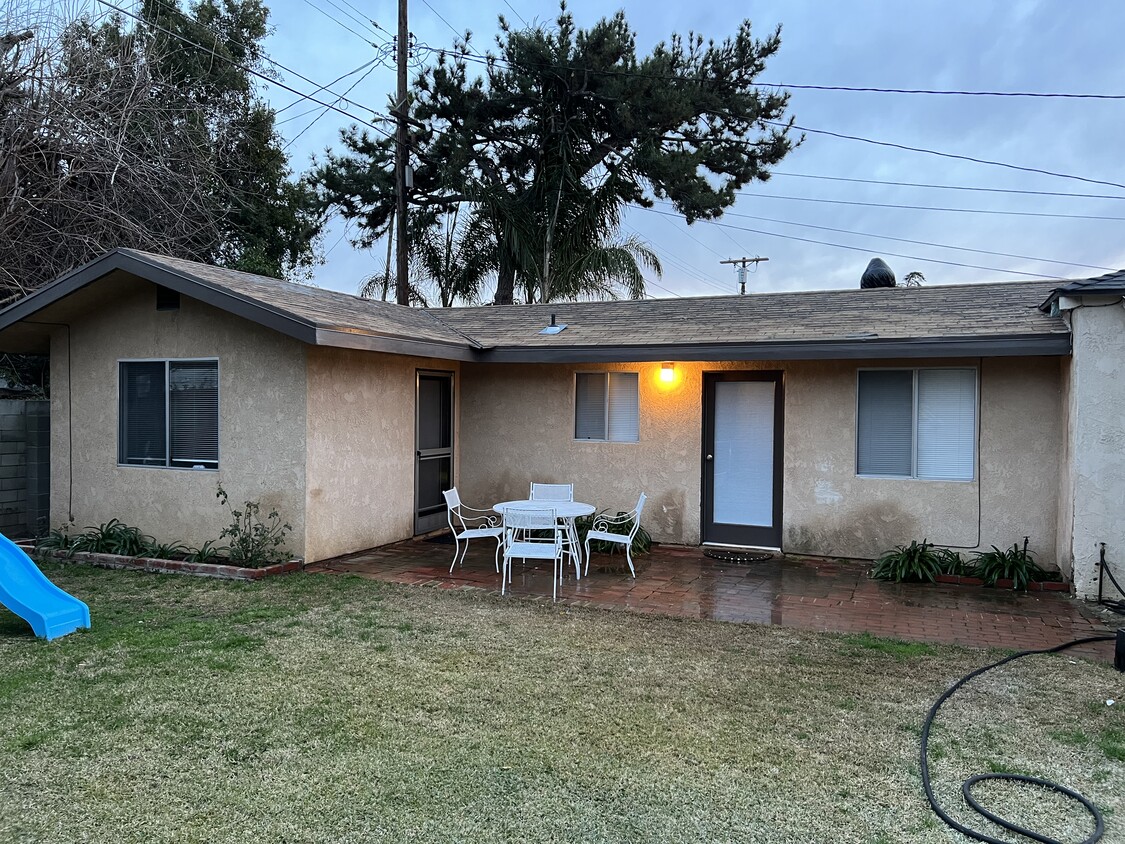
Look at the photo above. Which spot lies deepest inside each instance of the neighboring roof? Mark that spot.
(1110, 284)
(948, 321)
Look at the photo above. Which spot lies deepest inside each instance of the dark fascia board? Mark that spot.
(1020, 345)
(391, 344)
(118, 260)
(1081, 289)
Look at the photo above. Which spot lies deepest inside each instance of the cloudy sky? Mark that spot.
(802, 220)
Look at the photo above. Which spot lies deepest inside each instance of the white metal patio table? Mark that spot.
(567, 511)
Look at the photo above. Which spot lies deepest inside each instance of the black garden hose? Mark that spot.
(967, 785)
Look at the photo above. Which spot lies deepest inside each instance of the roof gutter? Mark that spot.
(1017, 345)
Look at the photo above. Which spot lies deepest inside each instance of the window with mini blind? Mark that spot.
(606, 406)
(169, 414)
(917, 423)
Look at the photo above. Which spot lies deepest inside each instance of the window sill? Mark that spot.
(911, 478)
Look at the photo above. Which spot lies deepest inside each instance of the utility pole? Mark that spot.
(402, 285)
(742, 262)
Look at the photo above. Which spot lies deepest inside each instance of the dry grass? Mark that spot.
(331, 709)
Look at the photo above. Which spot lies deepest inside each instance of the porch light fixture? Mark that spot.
(668, 372)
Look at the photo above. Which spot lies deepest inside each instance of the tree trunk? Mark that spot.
(505, 277)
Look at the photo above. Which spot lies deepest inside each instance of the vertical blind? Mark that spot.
(607, 406)
(917, 423)
(169, 413)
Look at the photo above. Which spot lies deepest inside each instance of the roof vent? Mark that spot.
(554, 327)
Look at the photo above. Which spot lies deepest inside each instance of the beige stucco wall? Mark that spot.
(1093, 505)
(360, 465)
(261, 416)
(517, 426)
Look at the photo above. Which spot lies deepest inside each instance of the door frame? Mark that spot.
(752, 536)
(433, 521)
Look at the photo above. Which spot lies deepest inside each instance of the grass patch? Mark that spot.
(329, 709)
(1112, 743)
(892, 647)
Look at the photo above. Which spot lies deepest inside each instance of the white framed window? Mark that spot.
(168, 413)
(917, 423)
(607, 406)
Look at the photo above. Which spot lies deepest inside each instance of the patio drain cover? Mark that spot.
(730, 555)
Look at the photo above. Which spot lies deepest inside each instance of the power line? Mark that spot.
(678, 263)
(260, 75)
(810, 130)
(314, 121)
(949, 93)
(956, 156)
(362, 36)
(516, 12)
(845, 88)
(929, 207)
(317, 91)
(441, 17)
(863, 250)
(915, 242)
(948, 187)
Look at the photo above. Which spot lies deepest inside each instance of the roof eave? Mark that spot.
(1013, 345)
(118, 259)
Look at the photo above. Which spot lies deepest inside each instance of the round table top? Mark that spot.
(563, 509)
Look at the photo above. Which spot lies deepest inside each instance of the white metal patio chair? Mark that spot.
(561, 492)
(610, 529)
(552, 492)
(532, 534)
(465, 526)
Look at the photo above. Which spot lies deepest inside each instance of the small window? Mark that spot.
(917, 423)
(606, 406)
(169, 414)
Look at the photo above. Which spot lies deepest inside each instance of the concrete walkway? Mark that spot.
(809, 594)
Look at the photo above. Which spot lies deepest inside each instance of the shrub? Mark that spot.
(112, 537)
(951, 562)
(1015, 564)
(642, 542)
(58, 539)
(914, 562)
(254, 542)
(208, 552)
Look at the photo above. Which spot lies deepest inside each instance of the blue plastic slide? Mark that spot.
(30, 595)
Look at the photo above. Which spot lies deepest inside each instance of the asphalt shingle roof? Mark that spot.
(998, 318)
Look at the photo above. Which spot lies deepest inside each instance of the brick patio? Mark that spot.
(808, 594)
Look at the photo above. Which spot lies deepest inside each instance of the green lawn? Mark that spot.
(317, 708)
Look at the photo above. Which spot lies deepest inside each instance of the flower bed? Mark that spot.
(216, 570)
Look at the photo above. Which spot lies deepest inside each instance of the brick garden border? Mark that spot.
(1032, 586)
(215, 570)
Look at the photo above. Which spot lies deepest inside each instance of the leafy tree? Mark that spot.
(567, 127)
(914, 278)
(118, 134)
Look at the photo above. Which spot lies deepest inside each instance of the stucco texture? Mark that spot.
(360, 465)
(517, 425)
(261, 415)
(1094, 499)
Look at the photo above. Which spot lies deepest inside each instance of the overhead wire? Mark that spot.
(264, 77)
(956, 156)
(914, 242)
(974, 188)
(862, 249)
(324, 111)
(931, 207)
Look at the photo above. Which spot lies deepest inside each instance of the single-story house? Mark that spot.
(829, 422)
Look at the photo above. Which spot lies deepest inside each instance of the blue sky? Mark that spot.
(1024, 45)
